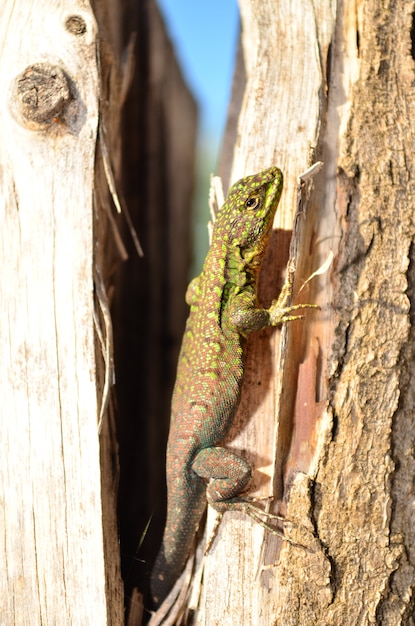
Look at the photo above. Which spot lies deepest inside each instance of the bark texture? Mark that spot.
(365, 506)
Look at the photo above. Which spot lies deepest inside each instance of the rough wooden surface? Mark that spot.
(365, 505)
(53, 566)
(329, 424)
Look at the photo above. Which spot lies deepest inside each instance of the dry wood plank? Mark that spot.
(50, 482)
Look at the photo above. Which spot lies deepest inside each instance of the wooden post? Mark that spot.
(328, 422)
(67, 161)
(51, 519)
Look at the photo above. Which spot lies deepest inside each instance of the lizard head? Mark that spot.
(245, 220)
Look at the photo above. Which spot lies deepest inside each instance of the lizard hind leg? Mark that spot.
(229, 476)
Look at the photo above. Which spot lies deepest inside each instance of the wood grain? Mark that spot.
(50, 516)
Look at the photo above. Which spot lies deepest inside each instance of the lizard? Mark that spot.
(223, 312)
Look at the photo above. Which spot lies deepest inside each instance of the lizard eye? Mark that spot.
(253, 202)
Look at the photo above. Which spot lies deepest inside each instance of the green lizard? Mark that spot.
(223, 311)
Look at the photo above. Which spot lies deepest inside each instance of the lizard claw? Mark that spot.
(255, 512)
(282, 315)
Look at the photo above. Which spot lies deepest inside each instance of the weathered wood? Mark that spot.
(367, 474)
(329, 423)
(63, 70)
(54, 563)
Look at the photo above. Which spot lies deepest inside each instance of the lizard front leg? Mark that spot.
(245, 317)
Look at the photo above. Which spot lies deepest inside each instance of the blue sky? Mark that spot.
(204, 34)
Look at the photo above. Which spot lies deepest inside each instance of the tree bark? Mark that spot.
(327, 420)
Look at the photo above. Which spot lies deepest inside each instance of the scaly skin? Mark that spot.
(223, 311)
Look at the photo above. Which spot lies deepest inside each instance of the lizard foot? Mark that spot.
(256, 513)
(282, 315)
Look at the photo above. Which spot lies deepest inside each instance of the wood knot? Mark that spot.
(40, 95)
(75, 24)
